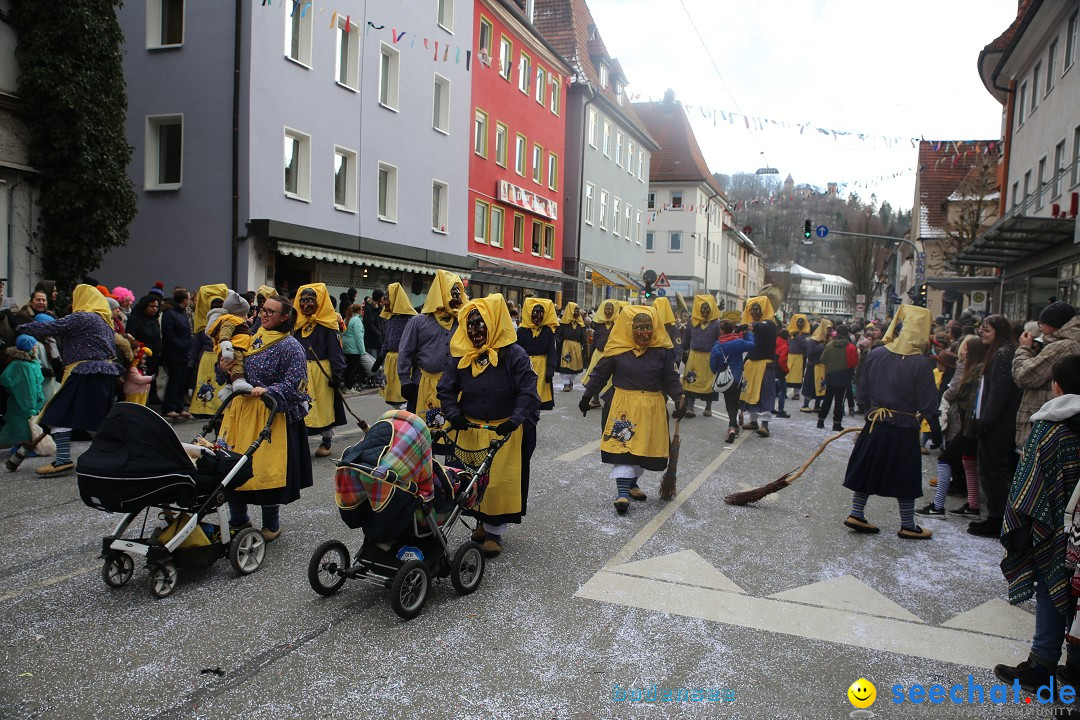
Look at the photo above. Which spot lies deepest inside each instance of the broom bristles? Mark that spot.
(749, 496)
(667, 487)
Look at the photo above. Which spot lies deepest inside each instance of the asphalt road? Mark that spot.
(765, 611)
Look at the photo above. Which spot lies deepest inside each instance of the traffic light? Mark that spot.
(920, 297)
(806, 230)
(648, 292)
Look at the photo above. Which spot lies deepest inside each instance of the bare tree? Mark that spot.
(969, 211)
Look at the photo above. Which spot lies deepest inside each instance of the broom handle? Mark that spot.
(820, 450)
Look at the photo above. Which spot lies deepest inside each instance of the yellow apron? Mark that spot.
(924, 427)
(543, 387)
(636, 424)
(571, 356)
(795, 369)
(205, 400)
(322, 395)
(698, 377)
(753, 375)
(503, 495)
(426, 397)
(819, 379)
(392, 392)
(242, 423)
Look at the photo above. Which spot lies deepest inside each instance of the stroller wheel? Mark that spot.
(467, 569)
(409, 590)
(247, 550)
(324, 568)
(162, 579)
(117, 570)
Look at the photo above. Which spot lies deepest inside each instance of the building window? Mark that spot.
(506, 57)
(1015, 194)
(541, 85)
(1040, 188)
(500, 144)
(675, 242)
(164, 23)
(389, 70)
(648, 242)
(1035, 86)
(485, 40)
(618, 148)
(676, 199)
(603, 75)
(590, 190)
(297, 165)
(440, 203)
(607, 139)
(1027, 188)
(345, 179)
(525, 74)
(164, 152)
(615, 217)
(298, 24)
(538, 164)
(537, 236)
(630, 156)
(1051, 66)
(652, 201)
(556, 96)
(637, 227)
(520, 160)
(592, 128)
(387, 192)
(480, 134)
(626, 221)
(641, 165)
(480, 221)
(553, 171)
(519, 232)
(1070, 40)
(496, 226)
(347, 72)
(549, 241)
(1021, 105)
(619, 92)
(446, 15)
(440, 104)
(603, 209)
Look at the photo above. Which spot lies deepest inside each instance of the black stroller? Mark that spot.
(137, 464)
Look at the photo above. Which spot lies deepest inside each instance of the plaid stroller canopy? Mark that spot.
(397, 448)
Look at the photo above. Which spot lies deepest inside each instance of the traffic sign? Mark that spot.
(822, 231)
(662, 281)
(661, 292)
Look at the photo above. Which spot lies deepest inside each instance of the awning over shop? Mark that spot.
(603, 276)
(1015, 238)
(353, 258)
(964, 284)
(499, 271)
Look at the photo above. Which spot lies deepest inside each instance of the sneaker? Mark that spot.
(689, 414)
(638, 494)
(1030, 674)
(930, 510)
(782, 414)
(763, 431)
(55, 468)
(820, 424)
(915, 533)
(622, 505)
(805, 409)
(185, 415)
(233, 529)
(990, 527)
(752, 425)
(861, 525)
(172, 415)
(270, 535)
(731, 433)
(966, 509)
(933, 482)
(492, 546)
(923, 450)
(706, 413)
(594, 403)
(322, 451)
(837, 427)
(567, 387)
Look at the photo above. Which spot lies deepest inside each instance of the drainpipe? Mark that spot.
(11, 231)
(235, 218)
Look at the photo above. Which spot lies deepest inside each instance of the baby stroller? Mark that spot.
(407, 505)
(137, 464)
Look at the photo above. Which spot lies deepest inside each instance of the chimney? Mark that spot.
(669, 97)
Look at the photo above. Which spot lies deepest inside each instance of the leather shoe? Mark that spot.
(322, 451)
(990, 527)
(270, 535)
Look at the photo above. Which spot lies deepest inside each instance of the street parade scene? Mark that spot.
(700, 442)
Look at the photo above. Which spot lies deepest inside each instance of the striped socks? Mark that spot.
(971, 471)
(63, 447)
(858, 505)
(944, 478)
(907, 513)
(623, 485)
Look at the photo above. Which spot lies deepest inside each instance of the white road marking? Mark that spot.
(850, 594)
(998, 615)
(686, 567)
(579, 453)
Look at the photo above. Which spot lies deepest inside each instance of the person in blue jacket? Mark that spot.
(729, 348)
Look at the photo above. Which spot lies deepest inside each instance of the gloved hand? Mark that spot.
(505, 428)
(935, 440)
(458, 422)
(227, 350)
(549, 376)
(335, 382)
(409, 392)
(680, 408)
(585, 404)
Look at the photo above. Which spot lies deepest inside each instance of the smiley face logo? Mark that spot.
(862, 693)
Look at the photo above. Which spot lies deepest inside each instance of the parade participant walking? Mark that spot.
(21, 382)
(491, 381)
(759, 368)
(176, 345)
(536, 336)
(205, 400)
(813, 387)
(666, 317)
(424, 350)
(601, 325)
(396, 313)
(90, 370)
(317, 330)
(638, 360)
(704, 332)
(839, 359)
(1031, 367)
(897, 386)
(730, 349)
(571, 337)
(275, 366)
(798, 333)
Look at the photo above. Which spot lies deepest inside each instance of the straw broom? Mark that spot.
(25, 448)
(749, 496)
(667, 484)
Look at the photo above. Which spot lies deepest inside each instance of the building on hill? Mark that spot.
(815, 294)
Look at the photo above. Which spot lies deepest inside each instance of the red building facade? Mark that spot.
(516, 167)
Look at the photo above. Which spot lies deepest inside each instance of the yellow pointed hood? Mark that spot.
(914, 333)
(621, 339)
(568, 315)
(266, 291)
(399, 302)
(500, 333)
(88, 298)
(767, 312)
(438, 298)
(696, 318)
(551, 318)
(324, 312)
(664, 314)
(206, 295)
(821, 334)
(793, 325)
(600, 317)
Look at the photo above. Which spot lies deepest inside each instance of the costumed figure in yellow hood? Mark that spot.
(813, 387)
(638, 361)
(679, 336)
(603, 320)
(704, 331)
(317, 327)
(798, 333)
(424, 349)
(572, 345)
(492, 383)
(897, 388)
(760, 367)
(205, 400)
(89, 387)
(396, 311)
(536, 335)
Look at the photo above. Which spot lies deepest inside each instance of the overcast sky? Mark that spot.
(879, 68)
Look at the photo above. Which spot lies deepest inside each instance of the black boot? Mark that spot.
(990, 527)
(1030, 673)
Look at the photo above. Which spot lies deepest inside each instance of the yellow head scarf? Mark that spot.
(601, 317)
(822, 333)
(324, 314)
(88, 298)
(767, 312)
(399, 302)
(793, 325)
(915, 333)
(622, 335)
(662, 306)
(500, 333)
(438, 298)
(551, 319)
(568, 315)
(206, 295)
(266, 291)
(714, 312)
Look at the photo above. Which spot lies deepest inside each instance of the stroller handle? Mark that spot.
(215, 421)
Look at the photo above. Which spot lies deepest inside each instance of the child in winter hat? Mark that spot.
(228, 328)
